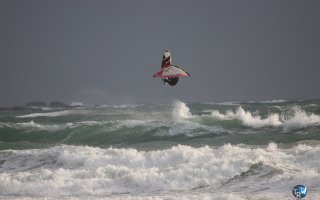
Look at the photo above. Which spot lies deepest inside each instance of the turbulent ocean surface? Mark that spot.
(176, 150)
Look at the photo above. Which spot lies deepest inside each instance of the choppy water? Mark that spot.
(231, 150)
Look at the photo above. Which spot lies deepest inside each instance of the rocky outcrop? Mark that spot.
(36, 104)
(58, 104)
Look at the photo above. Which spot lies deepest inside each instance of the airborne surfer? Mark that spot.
(170, 73)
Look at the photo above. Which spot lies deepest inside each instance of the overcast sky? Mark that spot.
(101, 52)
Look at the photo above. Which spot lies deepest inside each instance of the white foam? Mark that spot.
(170, 196)
(47, 127)
(271, 101)
(247, 118)
(74, 103)
(111, 125)
(185, 123)
(86, 171)
(119, 124)
(181, 111)
(121, 106)
(300, 119)
(52, 114)
(190, 129)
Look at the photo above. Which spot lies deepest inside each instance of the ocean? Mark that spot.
(174, 150)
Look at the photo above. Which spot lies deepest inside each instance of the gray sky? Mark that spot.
(106, 51)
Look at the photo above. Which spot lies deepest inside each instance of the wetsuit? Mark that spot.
(171, 81)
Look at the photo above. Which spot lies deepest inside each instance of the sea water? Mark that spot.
(175, 150)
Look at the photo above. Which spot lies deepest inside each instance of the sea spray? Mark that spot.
(299, 119)
(247, 118)
(181, 111)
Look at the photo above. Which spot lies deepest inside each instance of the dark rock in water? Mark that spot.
(58, 104)
(36, 104)
(15, 108)
(5, 108)
(19, 108)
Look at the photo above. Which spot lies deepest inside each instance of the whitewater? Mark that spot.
(174, 150)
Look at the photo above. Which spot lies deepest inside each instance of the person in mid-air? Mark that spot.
(170, 73)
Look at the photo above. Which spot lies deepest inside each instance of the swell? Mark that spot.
(163, 125)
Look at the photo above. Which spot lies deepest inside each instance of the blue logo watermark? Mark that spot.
(299, 191)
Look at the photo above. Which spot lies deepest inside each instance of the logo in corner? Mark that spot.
(299, 191)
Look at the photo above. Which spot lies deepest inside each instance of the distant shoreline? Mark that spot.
(37, 105)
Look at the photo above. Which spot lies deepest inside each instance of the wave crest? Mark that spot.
(299, 119)
(52, 114)
(293, 120)
(248, 119)
(181, 111)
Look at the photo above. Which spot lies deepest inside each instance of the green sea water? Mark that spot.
(153, 126)
(174, 150)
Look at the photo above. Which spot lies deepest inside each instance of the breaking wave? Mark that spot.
(52, 114)
(161, 151)
(297, 120)
(181, 111)
(294, 119)
(247, 118)
(117, 124)
(86, 171)
(159, 124)
(300, 119)
(37, 126)
(275, 101)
